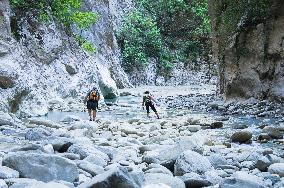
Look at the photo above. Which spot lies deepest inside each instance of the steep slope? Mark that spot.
(250, 59)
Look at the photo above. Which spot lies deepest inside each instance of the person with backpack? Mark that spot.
(148, 100)
(92, 100)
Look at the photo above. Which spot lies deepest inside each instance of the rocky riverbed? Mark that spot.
(200, 141)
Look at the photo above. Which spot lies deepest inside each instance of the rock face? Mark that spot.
(250, 59)
(116, 177)
(42, 167)
(44, 54)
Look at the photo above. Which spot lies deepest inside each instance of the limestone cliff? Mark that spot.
(251, 60)
(41, 65)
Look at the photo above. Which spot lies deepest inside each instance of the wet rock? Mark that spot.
(6, 173)
(216, 125)
(37, 134)
(153, 178)
(42, 167)
(194, 180)
(241, 137)
(190, 161)
(115, 177)
(244, 180)
(277, 168)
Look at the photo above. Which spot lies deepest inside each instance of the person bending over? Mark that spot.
(148, 100)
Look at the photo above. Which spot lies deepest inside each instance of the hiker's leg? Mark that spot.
(148, 110)
(94, 114)
(154, 109)
(90, 114)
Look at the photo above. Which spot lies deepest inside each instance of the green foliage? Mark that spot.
(140, 39)
(237, 14)
(85, 45)
(67, 12)
(167, 30)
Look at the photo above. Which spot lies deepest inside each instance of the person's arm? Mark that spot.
(153, 99)
(86, 97)
(143, 102)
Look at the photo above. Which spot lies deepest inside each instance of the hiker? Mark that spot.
(92, 100)
(148, 100)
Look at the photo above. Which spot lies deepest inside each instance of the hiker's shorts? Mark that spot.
(150, 104)
(92, 105)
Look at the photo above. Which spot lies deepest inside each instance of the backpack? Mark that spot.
(148, 98)
(94, 95)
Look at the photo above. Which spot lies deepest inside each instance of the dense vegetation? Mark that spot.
(67, 12)
(166, 30)
(233, 16)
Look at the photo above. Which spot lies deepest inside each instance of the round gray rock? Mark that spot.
(154, 178)
(277, 168)
(241, 136)
(42, 167)
(190, 161)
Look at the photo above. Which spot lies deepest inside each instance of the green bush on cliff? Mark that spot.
(180, 33)
(67, 12)
(237, 15)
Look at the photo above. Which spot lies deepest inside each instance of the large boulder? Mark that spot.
(277, 168)
(155, 178)
(3, 184)
(42, 167)
(190, 161)
(6, 172)
(194, 180)
(107, 84)
(117, 177)
(6, 119)
(29, 183)
(243, 180)
(37, 134)
(241, 136)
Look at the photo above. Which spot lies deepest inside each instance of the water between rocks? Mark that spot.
(195, 102)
